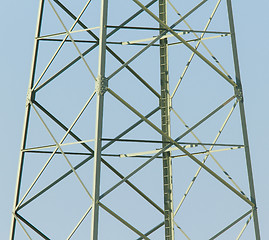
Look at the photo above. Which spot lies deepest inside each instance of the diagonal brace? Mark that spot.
(174, 142)
(186, 43)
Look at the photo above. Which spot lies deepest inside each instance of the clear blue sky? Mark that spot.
(18, 20)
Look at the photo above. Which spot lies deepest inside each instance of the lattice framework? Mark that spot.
(135, 127)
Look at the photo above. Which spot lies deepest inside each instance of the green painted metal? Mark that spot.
(239, 92)
(26, 121)
(166, 128)
(168, 144)
(101, 84)
(186, 43)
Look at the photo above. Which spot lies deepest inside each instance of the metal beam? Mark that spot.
(101, 85)
(152, 230)
(239, 92)
(57, 147)
(157, 37)
(92, 34)
(186, 44)
(196, 46)
(165, 121)
(108, 35)
(230, 225)
(26, 118)
(85, 160)
(163, 144)
(123, 221)
(32, 227)
(174, 142)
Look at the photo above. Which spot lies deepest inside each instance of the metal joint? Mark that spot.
(30, 96)
(238, 93)
(101, 85)
(164, 40)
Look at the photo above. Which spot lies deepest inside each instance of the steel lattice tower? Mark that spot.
(135, 125)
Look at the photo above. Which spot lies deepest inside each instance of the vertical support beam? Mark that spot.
(239, 93)
(165, 121)
(30, 96)
(101, 87)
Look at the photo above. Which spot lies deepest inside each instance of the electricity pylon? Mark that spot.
(133, 141)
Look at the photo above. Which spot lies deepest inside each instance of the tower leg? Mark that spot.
(165, 115)
(26, 121)
(101, 85)
(239, 93)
